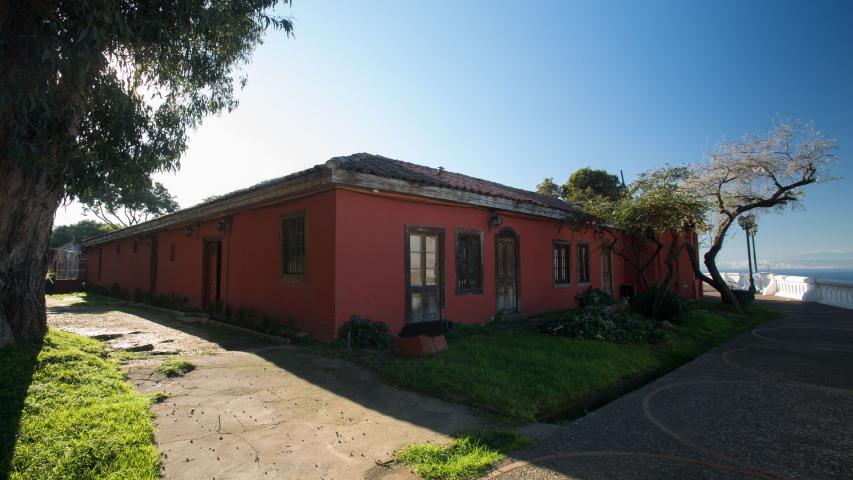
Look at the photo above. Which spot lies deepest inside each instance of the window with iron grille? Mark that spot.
(562, 265)
(583, 263)
(293, 246)
(469, 261)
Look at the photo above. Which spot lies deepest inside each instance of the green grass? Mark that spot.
(177, 367)
(517, 372)
(66, 411)
(158, 397)
(83, 299)
(466, 457)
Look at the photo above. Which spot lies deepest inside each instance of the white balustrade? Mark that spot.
(806, 289)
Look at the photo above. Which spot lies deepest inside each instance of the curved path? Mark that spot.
(773, 403)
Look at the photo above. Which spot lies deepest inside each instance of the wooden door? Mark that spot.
(424, 276)
(606, 271)
(212, 266)
(507, 273)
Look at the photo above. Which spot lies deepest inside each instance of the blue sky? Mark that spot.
(518, 91)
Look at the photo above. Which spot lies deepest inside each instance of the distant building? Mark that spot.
(66, 262)
(384, 239)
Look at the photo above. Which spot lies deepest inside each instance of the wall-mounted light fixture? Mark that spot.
(495, 220)
(189, 231)
(221, 225)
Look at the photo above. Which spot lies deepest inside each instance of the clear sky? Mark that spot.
(517, 91)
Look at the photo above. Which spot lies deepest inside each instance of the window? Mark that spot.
(172, 252)
(583, 263)
(118, 249)
(135, 246)
(562, 268)
(469, 261)
(293, 245)
(424, 283)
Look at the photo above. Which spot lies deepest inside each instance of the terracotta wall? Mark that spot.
(355, 261)
(370, 272)
(120, 264)
(250, 264)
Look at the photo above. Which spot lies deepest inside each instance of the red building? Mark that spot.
(363, 234)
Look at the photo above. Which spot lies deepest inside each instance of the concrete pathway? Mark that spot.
(773, 403)
(256, 410)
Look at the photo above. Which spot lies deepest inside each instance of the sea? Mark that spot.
(829, 274)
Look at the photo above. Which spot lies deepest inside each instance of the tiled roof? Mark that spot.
(438, 177)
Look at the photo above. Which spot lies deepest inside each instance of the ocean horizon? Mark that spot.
(819, 273)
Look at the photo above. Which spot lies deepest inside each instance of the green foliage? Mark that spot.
(158, 397)
(549, 188)
(466, 457)
(587, 183)
(67, 412)
(76, 232)
(597, 323)
(362, 332)
(672, 308)
(177, 367)
(100, 95)
(594, 297)
(148, 200)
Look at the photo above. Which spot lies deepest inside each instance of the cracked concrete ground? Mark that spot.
(773, 403)
(255, 410)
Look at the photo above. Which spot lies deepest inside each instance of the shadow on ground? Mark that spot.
(772, 403)
(17, 365)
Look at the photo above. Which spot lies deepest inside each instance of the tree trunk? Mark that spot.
(29, 200)
(671, 255)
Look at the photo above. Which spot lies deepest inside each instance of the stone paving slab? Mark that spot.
(773, 403)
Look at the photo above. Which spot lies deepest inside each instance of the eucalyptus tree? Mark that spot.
(95, 96)
(129, 208)
(756, 173)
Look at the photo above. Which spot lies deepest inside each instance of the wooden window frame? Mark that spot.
(293, 277)
(469, 291)
(439, 231)
(568, 246)
(588, 281)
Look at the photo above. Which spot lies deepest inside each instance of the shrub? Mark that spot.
(673, 308)
(594, 297)
(364, 333)
(597, 323)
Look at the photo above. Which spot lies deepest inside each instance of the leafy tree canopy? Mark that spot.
(549, 188)
(587, 183)
(76, 232)
(102, 93)
(119, 211)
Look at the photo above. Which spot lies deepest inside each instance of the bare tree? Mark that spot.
(756, 173)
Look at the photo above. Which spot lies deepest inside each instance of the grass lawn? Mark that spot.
(66, 411)
(467, 457)
(82, 299)
(517, 372)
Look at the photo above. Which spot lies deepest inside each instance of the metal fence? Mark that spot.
(67, 264)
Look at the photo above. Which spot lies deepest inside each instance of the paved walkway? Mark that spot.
(774, 403)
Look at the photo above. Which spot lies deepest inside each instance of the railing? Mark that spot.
(805, 289)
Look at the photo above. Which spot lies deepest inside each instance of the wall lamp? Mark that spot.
(495, 219)
(189, 231)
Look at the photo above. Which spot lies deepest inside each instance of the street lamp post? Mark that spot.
(747, 222)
